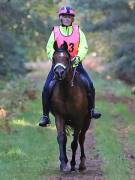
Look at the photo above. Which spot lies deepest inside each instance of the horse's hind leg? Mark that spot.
(74, 146)
(81, 142)
(82, 158)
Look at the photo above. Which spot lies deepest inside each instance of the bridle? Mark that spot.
(72, 80)
(66, 68)
(61, 64)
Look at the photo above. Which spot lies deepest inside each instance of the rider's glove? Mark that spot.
(75, 61)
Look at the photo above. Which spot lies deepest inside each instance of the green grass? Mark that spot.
(114, 86)
(29, 152)
(107, 142)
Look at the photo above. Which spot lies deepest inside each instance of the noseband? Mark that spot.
(59, 64)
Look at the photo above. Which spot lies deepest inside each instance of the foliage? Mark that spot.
(11, 55)
(25, 26)
(15, 95)
(24, 29)
(113, 24)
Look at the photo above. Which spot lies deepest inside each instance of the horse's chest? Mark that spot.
(69, 102)
(65, 102)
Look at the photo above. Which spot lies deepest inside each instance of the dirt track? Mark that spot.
(93, 162)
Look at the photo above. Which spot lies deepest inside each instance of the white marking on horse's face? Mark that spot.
(62, 54)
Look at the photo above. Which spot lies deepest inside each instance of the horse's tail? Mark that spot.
(69, 130)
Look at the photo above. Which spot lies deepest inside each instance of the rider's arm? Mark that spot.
(49, 47)
(83, 46)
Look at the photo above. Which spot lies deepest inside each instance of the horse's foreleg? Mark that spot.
(74, 146)
(61, 141)
(82, 158)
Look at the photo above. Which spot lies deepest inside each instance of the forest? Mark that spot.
(109, 25)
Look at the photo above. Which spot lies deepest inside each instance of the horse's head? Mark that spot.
(61, 61)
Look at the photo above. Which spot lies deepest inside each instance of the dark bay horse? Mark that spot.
(69, 105)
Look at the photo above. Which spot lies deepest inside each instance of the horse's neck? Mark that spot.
(69, 75)
(65, 85)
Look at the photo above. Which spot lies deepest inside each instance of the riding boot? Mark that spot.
(46, 98)
(91, 99)
(45, 120)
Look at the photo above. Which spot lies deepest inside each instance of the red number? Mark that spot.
(71, 45)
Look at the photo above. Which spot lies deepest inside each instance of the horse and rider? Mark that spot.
(68, 92)
(70, 33)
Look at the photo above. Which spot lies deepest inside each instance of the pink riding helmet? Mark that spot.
(67, 10)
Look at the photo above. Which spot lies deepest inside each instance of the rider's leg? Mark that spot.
(90, 91)
(46, 96)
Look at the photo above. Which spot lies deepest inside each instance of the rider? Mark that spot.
(77, 47)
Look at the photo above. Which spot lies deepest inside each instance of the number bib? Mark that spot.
(72, 40)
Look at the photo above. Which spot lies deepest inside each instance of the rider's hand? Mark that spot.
(75, 61)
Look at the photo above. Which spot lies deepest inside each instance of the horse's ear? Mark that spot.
(55, 45)
(64, 45)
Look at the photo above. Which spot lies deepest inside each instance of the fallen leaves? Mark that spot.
(3, 113)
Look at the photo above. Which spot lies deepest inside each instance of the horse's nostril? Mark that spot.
(59, 73)
(62, 72)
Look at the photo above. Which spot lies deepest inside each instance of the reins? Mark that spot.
(72, 80)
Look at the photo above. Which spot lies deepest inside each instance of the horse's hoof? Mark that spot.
(64, 169)
(82, 167)
(73, 169)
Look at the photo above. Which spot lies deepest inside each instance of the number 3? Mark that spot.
(71, 45)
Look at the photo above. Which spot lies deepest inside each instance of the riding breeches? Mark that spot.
(88, 85)
(47, 92)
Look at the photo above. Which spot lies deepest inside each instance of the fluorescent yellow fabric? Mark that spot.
(83, 47)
